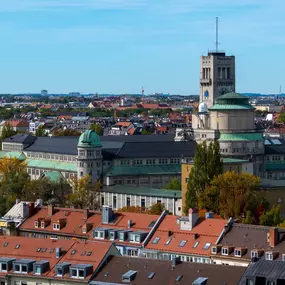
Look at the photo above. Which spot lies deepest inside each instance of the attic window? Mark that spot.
(237, 253)
(269, 256)
(36, 224)
(43, 225)
(168, 241)
(254, 254)
(196, 244)
(225, 251)
(56, 227)
(156, 240)
(182, 243)
(207, 245)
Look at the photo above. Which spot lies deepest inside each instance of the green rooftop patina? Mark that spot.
(234, 160)
(53, 176)
(52, 165)
(241, 137)
(275, 166)
(89, 139)
(12, 154)
(143, 191)
(143, 170)
(231, 101)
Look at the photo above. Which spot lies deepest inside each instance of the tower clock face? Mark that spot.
(206, 94)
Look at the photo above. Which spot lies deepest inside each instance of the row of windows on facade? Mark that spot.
(51, 156)
(127, 202)
(89, 164)
(37, 172)
(39, 268)
(143, 180)
(246, 150)
(89, 153)
(150, 161)
(238, 252)
(275, 157)
(90, 173)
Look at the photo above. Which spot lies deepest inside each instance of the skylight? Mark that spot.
(168, 241)
(179, 277)
(73, 252)
(207, 245)
(5, 244)
(83, 253)
(89, 253)
(51, 250)
(17, 246)
(151, 275)
(182, 243)
(152, 223)
(156, 240)
(196, 244)
(44, 249)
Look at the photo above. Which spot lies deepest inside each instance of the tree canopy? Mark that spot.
(97, 128)
(207, 164)
(174, 184)
(40, 132)
(7, 131)
(281, 118)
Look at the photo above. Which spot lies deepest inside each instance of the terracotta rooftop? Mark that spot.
(72, 221)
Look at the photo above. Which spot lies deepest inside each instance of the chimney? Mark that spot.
(39, 202)
(273, 237)
(50, 210)
(193, 217)
(129, 224)
(107, 214)
(86, 214)
(31, 209)
(18, 201)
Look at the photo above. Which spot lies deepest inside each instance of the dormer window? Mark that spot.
(56, 226)
(237, 252)
(214, 250)
(80, 271)
(36, 224)
(269, 256)
(43, 224)
(283, 257)
(225, 251)
(254, 253)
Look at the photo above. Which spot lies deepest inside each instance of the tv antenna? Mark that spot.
(217, 34)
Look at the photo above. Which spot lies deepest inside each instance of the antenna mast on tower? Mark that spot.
(217, 34)
(142, 94)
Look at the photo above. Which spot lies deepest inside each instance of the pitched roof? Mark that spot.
(21, 138)
(171, 236)
(157, 149)
(74, 221)
(165, 274)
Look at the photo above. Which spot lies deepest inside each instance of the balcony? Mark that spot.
(206, 81)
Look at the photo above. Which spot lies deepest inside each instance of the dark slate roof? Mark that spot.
(140, 138)
(157, 149)
(25, 139)
(118, 266)
(64, 145)
(271, 270)
(247, 236)
(275, 146)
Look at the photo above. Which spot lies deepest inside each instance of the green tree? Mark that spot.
(232, 195)
(249, 218)
(84, 194)
(7, 132)
(97, 128)
(207, 164)
(272, 217)
(145, 132)
(40, 132)
(281, 118)
(67, 132)
(174, 184)
(156, 209)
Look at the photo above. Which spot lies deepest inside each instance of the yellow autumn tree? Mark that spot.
(84, 194)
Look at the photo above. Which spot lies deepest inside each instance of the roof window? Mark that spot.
(5, 244)
(182, 243)
(207, 245)
(89, 253)
(156, 240)
(179, 277)
(151, 275)
(168, 241)
(237, 252)
(129, 276)
(196, 244)
(73, 252)
(17, 246)
(225, 251)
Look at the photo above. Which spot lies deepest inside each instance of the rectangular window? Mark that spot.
(225, 251)
(73, 273)
(128, 202)
(115, 202)
(38, 270)
(143, 203)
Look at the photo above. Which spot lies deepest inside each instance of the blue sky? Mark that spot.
(116, 46)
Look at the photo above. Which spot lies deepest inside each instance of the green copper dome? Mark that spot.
(89, 139)
(232, 101)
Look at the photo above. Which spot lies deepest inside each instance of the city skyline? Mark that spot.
(116, 46)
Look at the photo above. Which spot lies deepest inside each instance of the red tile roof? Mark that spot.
(207, 231)
(73, 219)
